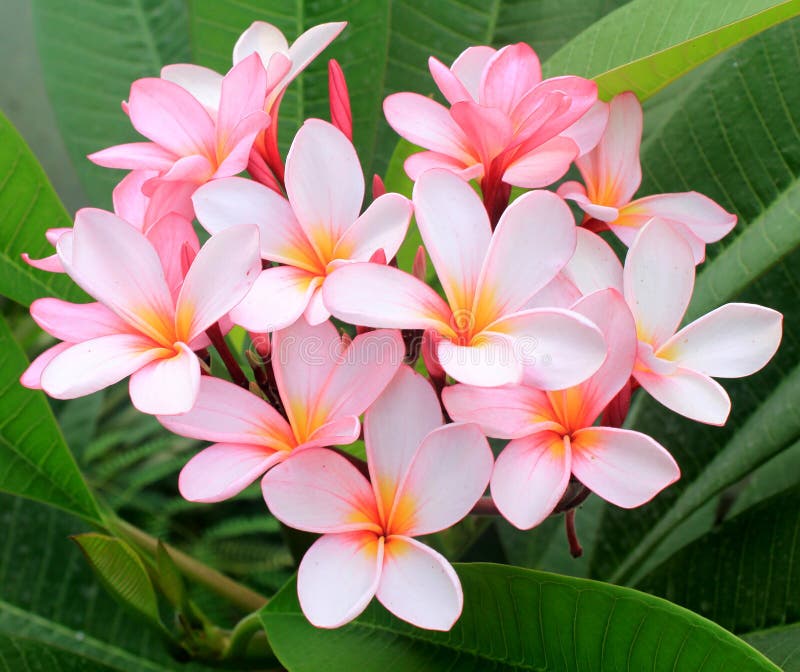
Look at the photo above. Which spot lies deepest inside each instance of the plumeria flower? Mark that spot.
(553, 435)
(733, 341)
(324, 385)
(315, 231)
(283, 63)
(186, 143)
(137, 329)
(612, 174)
(484, 335)
(142, 212)
(424, 477)
(505, 125)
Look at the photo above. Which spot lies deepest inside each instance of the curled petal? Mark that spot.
(530, 477)
(534, 239)
(383, 226)
(338, 577)
(167, 385)
(428, 124)
(734, 340)
(623, 467)
(447, 475)
(32, 376)
(219, 278)
(229, 414)
(558, 348)
(381, 296)
(317, 490)
(612, 171)
(76, 322)
(223, 470)
(324, 183)
(276, 300)
(203, 83)
(507, 412)
(491, 359)
(455, 228)
(688, 393)
(658, 281)
(92, 365)
(419, 585)
(394, 427)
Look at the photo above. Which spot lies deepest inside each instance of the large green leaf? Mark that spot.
(735, 138)
(645, 45)
(516, 619)
(386, 47)
(91, 51)
(28, 207)
(35, 461)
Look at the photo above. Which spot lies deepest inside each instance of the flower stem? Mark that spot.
(575, 548)
(218, 341)
(237, 594)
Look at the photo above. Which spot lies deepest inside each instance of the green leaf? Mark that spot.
(734, 138)
(516, 619)
(122, 572)
(30, 643)
(780, 645)
(746, 583)
(53, 607)
(34, 459)
(170, 579)
(91, 51)
(645, 45)
(385, 49)
(28, 207)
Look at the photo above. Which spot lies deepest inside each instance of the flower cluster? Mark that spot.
(539, 335)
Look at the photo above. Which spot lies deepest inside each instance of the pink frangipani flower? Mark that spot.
(324, 385)
(505, 125)
(186, 143)
(553, 436)
(677, 369)
(612, 174)
(138, 328)
(484, 335)
(424, 477)
(283, 63)
(315, 231)
(156, 214)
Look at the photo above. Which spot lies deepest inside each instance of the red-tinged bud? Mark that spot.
(431, 359)
(261, 344)
(341, 115)
(347, 339)
(363, 330)
(260, 172)
(378, 187)
(419, 269)
(125, 107)
(378, 257)
(187, 258)
(271, 153)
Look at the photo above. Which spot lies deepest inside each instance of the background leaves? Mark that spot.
(91, 51)
(35, 461)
